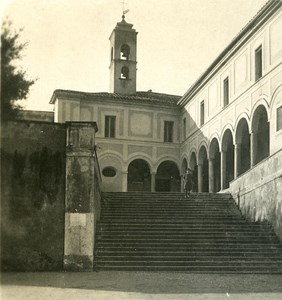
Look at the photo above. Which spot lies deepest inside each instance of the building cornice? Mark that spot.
(139, 98)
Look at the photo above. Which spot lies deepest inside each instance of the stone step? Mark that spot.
(198, 263)
(107, 229)
(173, 213)
(197, 269)
(173, 218)
(190, 258)
(125, 195)
(187, 244)
(188, 235)
(177, 222)
(165, 231)
(211, 252)
(178, 199)
(243, 225)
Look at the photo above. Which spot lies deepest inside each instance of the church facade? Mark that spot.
(227, 127)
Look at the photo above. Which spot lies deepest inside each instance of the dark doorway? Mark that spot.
(139, 176)
(228, 161)
(215, 157)
(243, 147)
(168, 177)
(194, 167)
(260, 128)
(203, 161)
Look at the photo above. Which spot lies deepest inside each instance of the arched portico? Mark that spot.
(259, 135)
(227, 159)
(203, 170)
(214, 167)
(139, 176)
(168, 177)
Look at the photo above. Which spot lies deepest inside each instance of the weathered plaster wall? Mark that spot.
(32, 195)
(259, 192)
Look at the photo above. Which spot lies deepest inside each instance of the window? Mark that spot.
(279, 118)
(184, 128)
(124, 52)
(110, 124)
(258, 63)
(124, 73)
(226, 91)
(202, 110)
(168, 132)
(109, 172)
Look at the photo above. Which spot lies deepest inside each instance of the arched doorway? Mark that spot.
(243, 154)
(168, 177)
(203, 170)
(194, 167)
(260, 135)
(139, 176)
(214, 161)
(227, 159)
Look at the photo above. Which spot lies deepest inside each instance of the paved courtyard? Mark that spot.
(138, 285)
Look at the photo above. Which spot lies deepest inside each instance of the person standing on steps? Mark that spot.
(188, 182)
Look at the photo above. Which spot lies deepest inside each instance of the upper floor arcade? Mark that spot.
(249, 68)
(231, 117)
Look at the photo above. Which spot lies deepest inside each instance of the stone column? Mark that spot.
(223, 169)
(153, 181)
(200, 178)
(124, 181)
(80, 196)
(211, 175)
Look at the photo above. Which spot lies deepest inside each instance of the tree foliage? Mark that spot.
(14, 83)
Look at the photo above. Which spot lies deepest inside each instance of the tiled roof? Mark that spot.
(138, 98)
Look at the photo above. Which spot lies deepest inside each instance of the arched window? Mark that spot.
(124, 52)
(124, 73)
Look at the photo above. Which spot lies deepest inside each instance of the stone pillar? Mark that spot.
(237, 160)
(223, 169)
(211, 175)
(253, 148)
(124, 181)
(80, 199)
(153, 181)
(200, 178)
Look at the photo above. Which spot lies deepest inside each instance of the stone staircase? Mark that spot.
(166, 232)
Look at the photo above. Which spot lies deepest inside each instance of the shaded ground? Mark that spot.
(138, 285)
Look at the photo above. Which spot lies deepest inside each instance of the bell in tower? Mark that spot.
(123, 58)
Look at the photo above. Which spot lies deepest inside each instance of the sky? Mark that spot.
(69, 48)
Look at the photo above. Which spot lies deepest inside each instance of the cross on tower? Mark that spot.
(124, 11)
(123, 3)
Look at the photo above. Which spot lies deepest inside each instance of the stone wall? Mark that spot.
(32, 195)
(259, 192)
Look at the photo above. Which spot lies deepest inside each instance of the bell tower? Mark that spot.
(123, 42)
